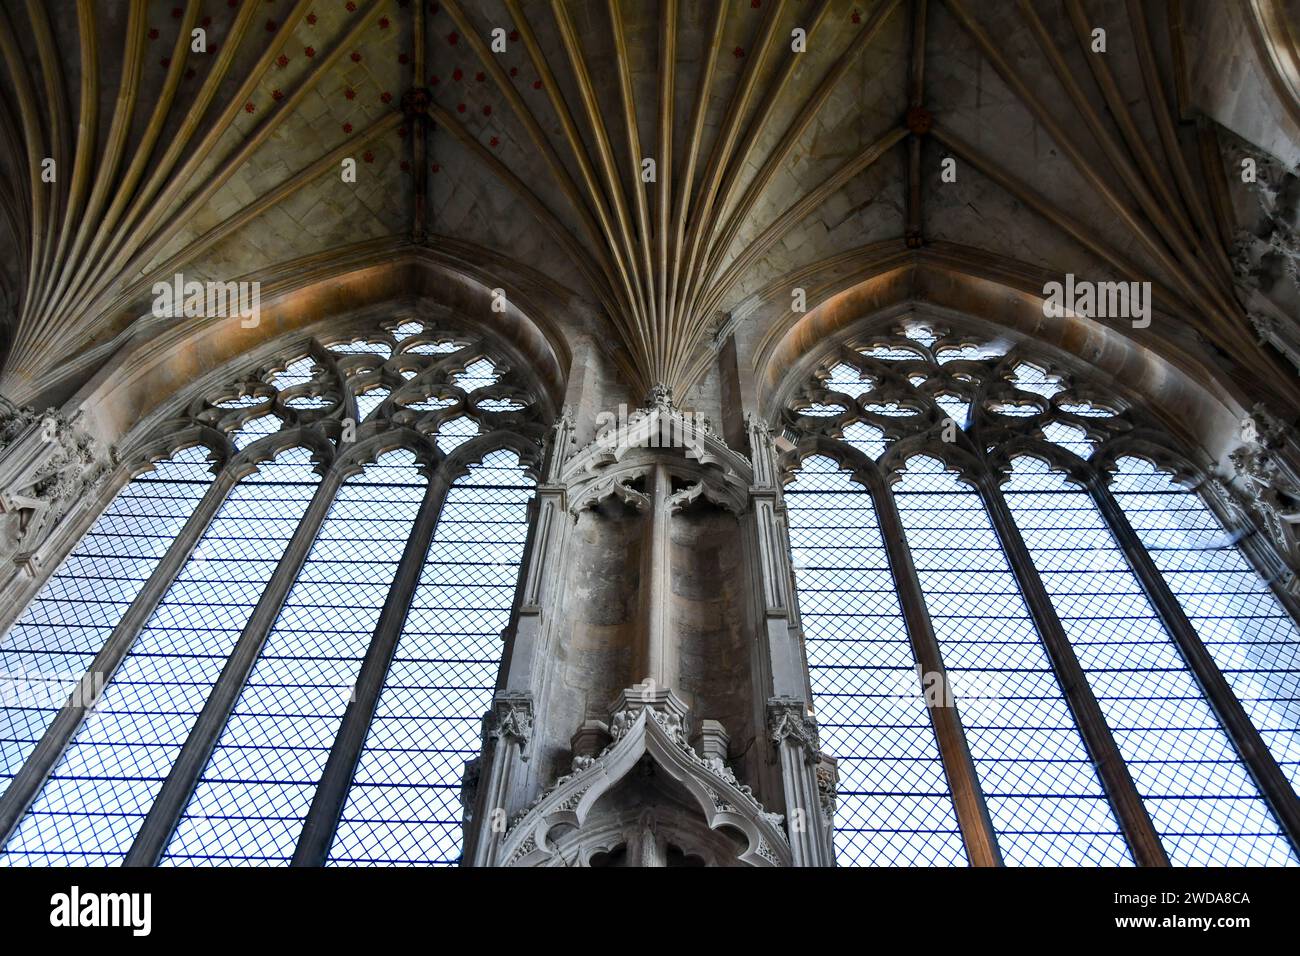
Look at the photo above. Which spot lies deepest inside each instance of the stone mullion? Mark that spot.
(793, 734)
(782, 672)
(327, 804)
(1263, 767)
(967, 796)
(31, 777)
(1127, 803)
(170, 804)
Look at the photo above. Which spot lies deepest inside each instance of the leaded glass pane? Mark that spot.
(1042, 792)
(369, 400)
(1033, 379)
(1199, 795)
(250, 803)
(956, 408)
(1070, 437)
(867, 439)
(55, 640)
(822, 410)
(404, 804)
(894, 807)
(95, 800)
(847, 379)
(1241, 622)
(478, 374)
(255, 428)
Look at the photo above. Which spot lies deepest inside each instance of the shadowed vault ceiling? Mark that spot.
(769, 162)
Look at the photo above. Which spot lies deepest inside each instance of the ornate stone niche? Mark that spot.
(648, 798)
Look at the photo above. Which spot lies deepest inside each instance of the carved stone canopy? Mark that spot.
(599, 807)
(617, 464)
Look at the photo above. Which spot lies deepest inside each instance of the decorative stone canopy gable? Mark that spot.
(647, 739)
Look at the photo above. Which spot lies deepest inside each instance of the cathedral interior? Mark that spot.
(584, 433)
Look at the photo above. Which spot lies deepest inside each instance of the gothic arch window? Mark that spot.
(93, 803)
(1238, 617)
(247, 639)
(1073, 587)
(1199, 795)
(1043, 796)
(258, 784)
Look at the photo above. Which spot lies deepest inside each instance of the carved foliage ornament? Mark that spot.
(47, 463)
(787, 720)
(512, 719)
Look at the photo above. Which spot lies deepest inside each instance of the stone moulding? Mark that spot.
(616, 486)
(721, 802)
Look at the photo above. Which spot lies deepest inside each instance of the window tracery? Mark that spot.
(1024, 454)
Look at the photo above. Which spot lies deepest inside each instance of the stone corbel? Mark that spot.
(512, 719)
(787, 720)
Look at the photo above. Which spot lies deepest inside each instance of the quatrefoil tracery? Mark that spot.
(430, 388)
(895, 396)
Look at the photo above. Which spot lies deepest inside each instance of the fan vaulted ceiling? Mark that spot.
(671, 162)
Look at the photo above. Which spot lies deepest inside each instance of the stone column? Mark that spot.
(793, 734)
(507, 729)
